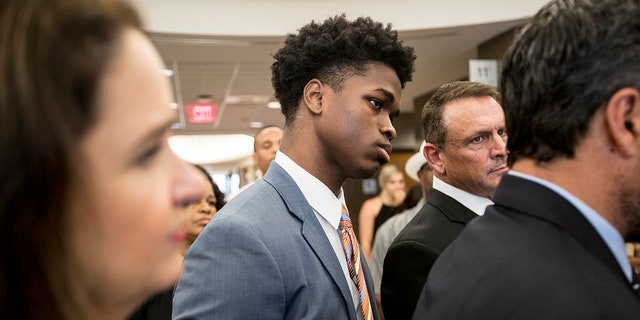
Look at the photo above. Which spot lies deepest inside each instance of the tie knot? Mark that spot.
(345, 220)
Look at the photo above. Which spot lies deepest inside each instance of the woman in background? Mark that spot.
(198, 216)
(375, 211)
(91, 195)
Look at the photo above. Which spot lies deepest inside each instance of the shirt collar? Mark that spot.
(319, 196)
(473, 202)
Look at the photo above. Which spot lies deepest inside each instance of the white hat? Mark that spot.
(415, 162)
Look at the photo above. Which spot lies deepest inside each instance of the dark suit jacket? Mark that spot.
(532, 255)
(415, 249)
(265, 256)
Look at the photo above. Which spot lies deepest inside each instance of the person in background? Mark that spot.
(375, 211)
(633, 252)
(158, 307)
(277, 250)
(418, 169)
(465, 144)
(199, 214)
(91, 194)
(266, 142)
(414, 195)
(552, 246)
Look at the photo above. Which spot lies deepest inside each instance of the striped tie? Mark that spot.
(352, 253)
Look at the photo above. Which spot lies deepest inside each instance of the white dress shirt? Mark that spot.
(328, 209)
(473, 202)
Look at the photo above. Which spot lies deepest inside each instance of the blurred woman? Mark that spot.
(377, 210)
(198, 215)
(91, 195)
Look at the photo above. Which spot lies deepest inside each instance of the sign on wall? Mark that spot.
(484, 71)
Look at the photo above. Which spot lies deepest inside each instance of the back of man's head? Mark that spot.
(565, 64)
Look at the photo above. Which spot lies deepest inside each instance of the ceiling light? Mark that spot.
(256, 124)
(167, 72)
(211, 149)
(273, 105)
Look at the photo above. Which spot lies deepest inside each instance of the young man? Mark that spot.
(466, 145)
(276, 250)
(552, 246)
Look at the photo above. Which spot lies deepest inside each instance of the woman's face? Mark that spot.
(199, 214)
(126, 224)
(395, 183)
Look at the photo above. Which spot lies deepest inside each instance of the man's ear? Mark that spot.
(313, 95)
(622, 117)
(433, 155)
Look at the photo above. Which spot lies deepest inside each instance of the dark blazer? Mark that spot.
(532, 255)
(265, 256)
(415, 249)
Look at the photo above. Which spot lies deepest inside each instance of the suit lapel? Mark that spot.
(312, 231)
(515, 192)
(451, 208)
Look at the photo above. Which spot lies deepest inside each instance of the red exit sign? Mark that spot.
(202, 113)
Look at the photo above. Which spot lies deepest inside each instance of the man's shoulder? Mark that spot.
(430, 227)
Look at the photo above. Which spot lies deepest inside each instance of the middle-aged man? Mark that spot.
(552, 246)
(285, 247)
(265, 144)
(464, 129)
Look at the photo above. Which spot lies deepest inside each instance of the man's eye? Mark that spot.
(477, 139)
(376, 103)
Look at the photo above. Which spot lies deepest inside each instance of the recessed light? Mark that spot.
(273, 105)
(212, 148)
(167, 72)
(256, 124)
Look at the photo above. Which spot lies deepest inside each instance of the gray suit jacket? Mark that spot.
(532, 255)
(264, 256)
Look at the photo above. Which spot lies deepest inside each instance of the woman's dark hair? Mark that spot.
(332, 52)
(216, 190)
(53, 54)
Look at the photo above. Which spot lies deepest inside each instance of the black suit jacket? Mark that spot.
(532, 255)
(415, 249)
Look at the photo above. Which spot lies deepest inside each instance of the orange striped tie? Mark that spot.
(352, 253)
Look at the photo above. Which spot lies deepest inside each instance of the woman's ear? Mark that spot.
(313, 95)
(622, 117)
